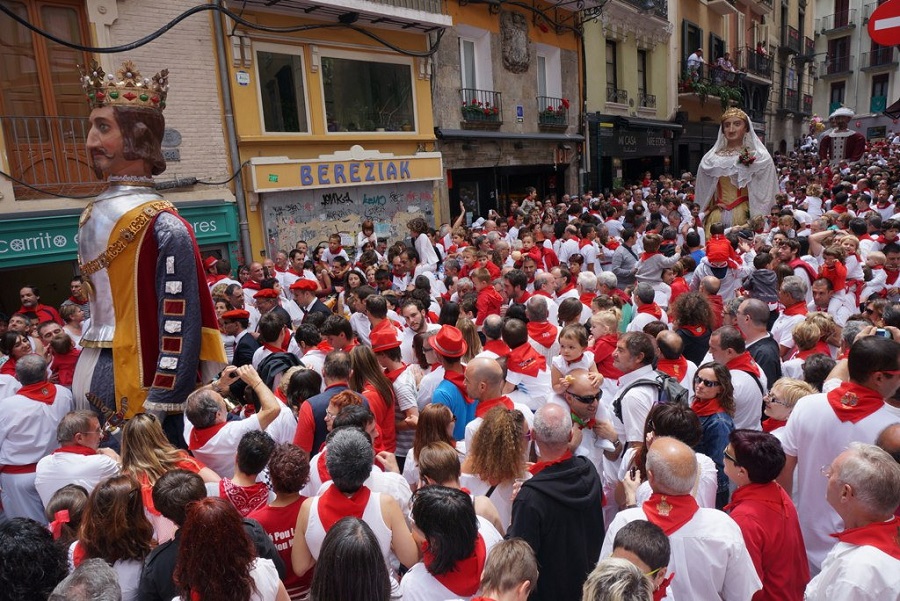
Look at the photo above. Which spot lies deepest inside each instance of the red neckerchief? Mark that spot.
(821, 347)
(524, 298)
(584, 242)
(576, 360)
(583, 425)
(676, 368)
(79, 554)
(798, 308)
(465, 577)
(42, 392)
(322, 468)
(852, 402)
(706, 408)
(200, 436)
(458, 379)
(497, 347)
(744, 362)
(877, 267)
(586, 299)
(324, 346)
(525, 360)
(839, 209)
(215, 278)
(76, 449)
(884, 536)
(281, 348)
(670, 512)
(543, 293)
(612, 244)
(660, 593)
(772, 424)
(891, 275)
(395, 373)
(770, 493)
(564, 289)
(485, 406)
(252, 285)
(350, 345)
(798, 262)
(544, 332)
(695, 331)
(334, 505)
(540, 465)
(651, 309)
(76, 301)
(646, 255)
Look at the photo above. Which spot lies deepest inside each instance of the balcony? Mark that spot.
(790, 40)
(723, 7)
(836, 67)
(553, 113)
(646, 101)
(616, 95)
(708, 80)
(877, 104)
(481, 108)
(49, 153)
(660, 7)
(416, 15)
(790, 102)
(839, 21)
(749, 60)
(806, 105)
(761, 7)
(876, 60)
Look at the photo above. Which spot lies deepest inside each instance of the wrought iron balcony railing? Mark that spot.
(617, 95)
(838, 20)
(552, 111)
(481, 106)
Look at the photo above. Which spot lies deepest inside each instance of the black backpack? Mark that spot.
(669, 390)
(274, 364)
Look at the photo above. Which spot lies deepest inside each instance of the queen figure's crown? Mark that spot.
(126, 88)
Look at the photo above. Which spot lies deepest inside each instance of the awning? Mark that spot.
(480, 134)
(637, 123)
(893, 111)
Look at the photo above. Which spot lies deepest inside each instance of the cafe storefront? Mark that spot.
(624, 149)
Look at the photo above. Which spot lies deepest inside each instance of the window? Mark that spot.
(642, 73)
(549, 71)
(467, 63)
(716, 48)
(364, 95)
(542, 75)
(839, 55)
(841, 13)
(691, 39)
(612, 79)
(880, 85)
(837, 94)
(281, 89)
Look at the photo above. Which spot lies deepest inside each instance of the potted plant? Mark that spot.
(554, 115)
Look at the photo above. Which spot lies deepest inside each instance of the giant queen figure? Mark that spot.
(737, 179)
(152, 335)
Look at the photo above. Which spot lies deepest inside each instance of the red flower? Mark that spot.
(565, 102)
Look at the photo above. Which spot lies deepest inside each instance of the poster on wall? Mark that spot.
(313, 215)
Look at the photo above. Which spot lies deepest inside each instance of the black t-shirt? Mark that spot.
(766, 353)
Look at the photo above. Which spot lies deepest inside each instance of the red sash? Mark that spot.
(334, 505)
(540, 465)
(497, 346)
(744, 362)
(458, 379)
(651, 309)
(544, 333)
(464, 578)
(798, 308)
(485, 406)
(677, 368)
(42, 392)
(525, 360)
(76, 449)
(670, 512)
(201, 436)
(706, 408)
(852, 402)
(884, 536)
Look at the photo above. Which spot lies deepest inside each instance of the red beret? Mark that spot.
(210, 262)
(236, 314)
(304, 284)
(266, 293)
(384, 340)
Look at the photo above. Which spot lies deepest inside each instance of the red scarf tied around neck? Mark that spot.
(458, 380)
(884, 536)
(464, 578)
(744, 362)
(525, 360)
(42, 392)
(651, 309)
(334, 505)
(852, 402)
(485, 406)
(670, 512)
(541, 465)
(544, 333)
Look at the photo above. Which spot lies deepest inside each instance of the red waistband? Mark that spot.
(18, 469)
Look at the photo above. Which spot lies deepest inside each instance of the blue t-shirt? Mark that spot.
(448, 394)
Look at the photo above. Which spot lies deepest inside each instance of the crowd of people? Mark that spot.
(592, 397)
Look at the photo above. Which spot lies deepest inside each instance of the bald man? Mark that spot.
(698, 536)
(484, 380)
(673, 362)
(889, 441)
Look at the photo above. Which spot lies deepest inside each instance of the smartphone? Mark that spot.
(633, 472)
(881, 332)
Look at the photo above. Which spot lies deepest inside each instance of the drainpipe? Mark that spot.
(231, 135)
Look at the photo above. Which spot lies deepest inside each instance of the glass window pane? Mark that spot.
(367, 96)
(467, 60)
(281, 88)
(542, 75)
(64, 22)
(20, 89)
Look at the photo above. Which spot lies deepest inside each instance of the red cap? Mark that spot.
(449, 342)
(304, 284)
(236, 314)
(266, 293)
(384, 340)
(209, 262)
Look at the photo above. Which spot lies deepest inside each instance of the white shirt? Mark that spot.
(638, 403)
(59, 469)
(710, 539)
(219, 451)
(567, 249)
(642, 319)
(815, 436)
(427, 385)
(28, 427)
(564, 367)
(533, 391)
(283, 427)
(860, 573)
(747, 399)
(406, 342)
(783, 329)
(473, 425)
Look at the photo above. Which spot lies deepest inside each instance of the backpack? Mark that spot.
(275, 364)
(669, 391)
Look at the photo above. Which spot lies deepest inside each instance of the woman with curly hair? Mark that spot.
(146, 455)
(115, 529)
(288, 472)
(692, 318)
(368, 379)
(497, 458)
(436, 424)
(714, 405)
(217, 560)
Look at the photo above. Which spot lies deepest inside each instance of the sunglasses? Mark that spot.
(587, 400)
(729, 457)
(705, 382)
(770, 398)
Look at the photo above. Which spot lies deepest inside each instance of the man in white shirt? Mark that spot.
(726, 345)
(79, 459)
(647, 309)
(698, 536)
(792, 295)
(634, 357)
(27, 435)
(863, 485)
(211, 438)
(823, 425)
(416, 323)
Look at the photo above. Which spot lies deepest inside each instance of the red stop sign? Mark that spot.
(884, 24)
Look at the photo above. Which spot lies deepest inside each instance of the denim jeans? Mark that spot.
(716, 429)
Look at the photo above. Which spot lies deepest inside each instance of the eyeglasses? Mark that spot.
(705, 382)
(98, 432)
(826, 471)
(587, 400)
(729, 457)
(330, 416)
(770, 398)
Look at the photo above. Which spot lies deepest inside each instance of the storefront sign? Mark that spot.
(628, 143)
(347, 168)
